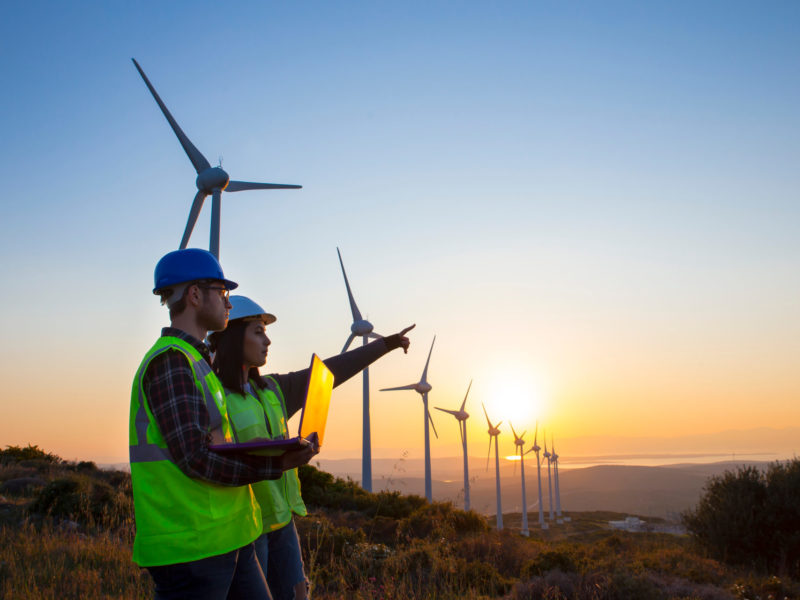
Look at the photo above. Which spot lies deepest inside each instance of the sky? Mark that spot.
(594, 207)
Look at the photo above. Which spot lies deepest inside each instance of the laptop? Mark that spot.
(313, 418)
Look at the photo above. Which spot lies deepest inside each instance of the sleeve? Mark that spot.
(180, 412)
(343, 367)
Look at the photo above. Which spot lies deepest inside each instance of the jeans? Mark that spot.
(278, 553)
(235, 575)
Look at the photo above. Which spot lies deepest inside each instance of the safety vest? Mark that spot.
(264, 416)
(178, 518)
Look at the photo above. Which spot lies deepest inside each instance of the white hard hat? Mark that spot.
(244, 308)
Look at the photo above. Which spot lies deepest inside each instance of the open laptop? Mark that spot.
(313, 418)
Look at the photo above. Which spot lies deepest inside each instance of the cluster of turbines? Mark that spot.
(212, 181)
(364, 329)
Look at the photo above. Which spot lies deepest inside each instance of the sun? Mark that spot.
(516, 399)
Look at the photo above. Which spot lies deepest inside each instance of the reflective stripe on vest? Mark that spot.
(265, 416)
(178, 518)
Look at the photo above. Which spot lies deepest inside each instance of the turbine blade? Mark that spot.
(451, 412)
(516, 437)
(241, 186)
(348, 342)
(410, 386)
(353, 307)
(465, 395)
(430, 418)
(194, 212)
(425, 371)
(488, 452)
(374, 336)
(199, 161)
(488, 422)
(536, 434)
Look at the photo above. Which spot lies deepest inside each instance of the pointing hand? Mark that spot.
(404, 341)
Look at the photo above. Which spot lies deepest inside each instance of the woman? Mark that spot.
(259, 407)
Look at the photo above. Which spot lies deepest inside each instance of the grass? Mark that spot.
(70, 536)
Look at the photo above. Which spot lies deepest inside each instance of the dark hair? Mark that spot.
(228, 348)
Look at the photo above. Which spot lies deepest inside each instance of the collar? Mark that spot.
(199, 345)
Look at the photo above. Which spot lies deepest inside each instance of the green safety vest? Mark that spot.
(265, 416)
(178, 518)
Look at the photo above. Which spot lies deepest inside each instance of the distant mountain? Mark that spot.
(664, 491)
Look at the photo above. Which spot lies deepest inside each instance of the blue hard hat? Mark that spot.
(244, 308)
(189, 264)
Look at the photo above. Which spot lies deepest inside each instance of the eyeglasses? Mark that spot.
(223, 292)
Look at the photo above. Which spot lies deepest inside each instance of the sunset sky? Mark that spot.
(595, 207)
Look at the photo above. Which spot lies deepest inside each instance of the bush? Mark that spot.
(323, 490)
(550, 560)
(32, 452)
(86, 501)
(752, 518)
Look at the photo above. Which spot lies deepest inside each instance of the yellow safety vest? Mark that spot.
(264, 416)
(180, 519)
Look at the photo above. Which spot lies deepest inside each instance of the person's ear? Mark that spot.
(194, 295)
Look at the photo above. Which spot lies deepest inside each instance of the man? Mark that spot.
(196, 517)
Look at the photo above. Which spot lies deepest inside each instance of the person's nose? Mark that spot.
(228, 304)
(267, 340)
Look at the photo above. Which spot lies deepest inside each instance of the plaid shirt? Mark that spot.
(180, 412)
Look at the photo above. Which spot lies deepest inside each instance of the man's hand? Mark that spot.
(296, 458)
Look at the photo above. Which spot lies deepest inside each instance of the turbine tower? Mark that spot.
(210, 180)
(549, 476)
(462, 416)
(554, 457)
(519, 442)
(363, 329)
(494, 431)
(536, 448)
(422, 387)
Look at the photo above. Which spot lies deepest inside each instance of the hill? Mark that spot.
(66, 531)
(651, 491)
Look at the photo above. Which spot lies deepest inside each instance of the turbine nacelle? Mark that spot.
(536, 448)
(460, 415)
(212, 178)
(423, 387)
(361, 327)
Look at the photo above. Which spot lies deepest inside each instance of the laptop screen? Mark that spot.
(318, 398)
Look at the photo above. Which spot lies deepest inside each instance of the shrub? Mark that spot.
(32, 452)
(84, 500)
(751, 518)
(550, 560)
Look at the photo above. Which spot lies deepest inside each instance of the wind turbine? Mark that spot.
(494, 431)
(462, 416)
(422, 387)
(363, 329)
(210, 180)
(554, 458)
(549, 475)
(519, 442)
(536, 448)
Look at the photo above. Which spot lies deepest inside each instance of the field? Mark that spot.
(66, 532)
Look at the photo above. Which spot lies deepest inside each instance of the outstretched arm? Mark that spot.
(343, 367)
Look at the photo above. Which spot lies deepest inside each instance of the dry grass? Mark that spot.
(51, 562)
(71, 539)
